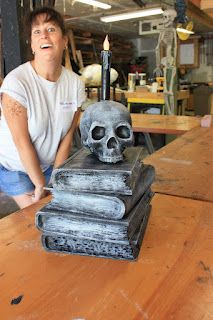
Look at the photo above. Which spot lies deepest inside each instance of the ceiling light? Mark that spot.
(132, 15)
(94, 3)
(184, 30)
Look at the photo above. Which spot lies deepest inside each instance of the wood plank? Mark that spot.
(147, 100)
(72, 43)
(171, 279)
(143, 95)
(206, 5)
(80, 59)
(123, 50)
(164, 124)
(158, 97)
(81, 40)
(193, 12)
(67, 60)
(184, 167)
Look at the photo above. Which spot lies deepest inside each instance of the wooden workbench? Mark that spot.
(164, 124)
(172, 278)
(184, 167)
(152, 98)
(161, 124)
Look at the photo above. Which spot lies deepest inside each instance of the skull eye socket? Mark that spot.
(98, 133)
(123, 132)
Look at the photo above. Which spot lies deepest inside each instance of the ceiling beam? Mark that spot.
(195, 13)
(206, 5)
(195, 2)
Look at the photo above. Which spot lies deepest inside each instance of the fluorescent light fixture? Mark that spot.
(184, 30)
(94, 3)
(132, 15)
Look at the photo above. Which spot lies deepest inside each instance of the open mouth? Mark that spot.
(46, 46)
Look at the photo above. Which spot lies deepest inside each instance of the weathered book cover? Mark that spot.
(102, 205)
(94, 228)
(84, 172)
(122, 250)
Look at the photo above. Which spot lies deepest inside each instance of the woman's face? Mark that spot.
(47, 40)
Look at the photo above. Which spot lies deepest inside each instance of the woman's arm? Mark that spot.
(66, 143)
(16, 117)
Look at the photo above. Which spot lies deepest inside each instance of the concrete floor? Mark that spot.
(7, 205)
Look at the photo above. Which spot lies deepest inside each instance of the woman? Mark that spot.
(40, 103)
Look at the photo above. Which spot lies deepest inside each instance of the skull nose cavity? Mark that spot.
(111, 143)
(123, 132)
(98, 133)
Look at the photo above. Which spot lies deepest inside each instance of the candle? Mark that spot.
(106, 66)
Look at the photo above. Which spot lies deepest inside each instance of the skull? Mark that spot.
(106, 130)
(168, 17)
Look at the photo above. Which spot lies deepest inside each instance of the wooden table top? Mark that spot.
(184, 167)
(157, 97)
(157, 123)
(172, 278)
(168, 124)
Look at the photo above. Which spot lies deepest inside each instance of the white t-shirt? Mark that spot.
(50, 110)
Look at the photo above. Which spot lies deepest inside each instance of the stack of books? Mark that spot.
(98, 209)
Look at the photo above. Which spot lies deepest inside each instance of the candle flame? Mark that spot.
(106, 43)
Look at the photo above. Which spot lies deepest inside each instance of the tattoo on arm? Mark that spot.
(11, 107)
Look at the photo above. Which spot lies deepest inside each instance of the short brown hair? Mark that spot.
(51, 15)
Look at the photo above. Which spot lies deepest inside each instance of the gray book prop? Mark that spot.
(102, 205)
(84, 172)
(92, 227)
(122, 250)
(98, 209)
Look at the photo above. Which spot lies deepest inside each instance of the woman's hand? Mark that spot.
(39, 193)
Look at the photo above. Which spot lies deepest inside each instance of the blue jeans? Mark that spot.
(14, 183)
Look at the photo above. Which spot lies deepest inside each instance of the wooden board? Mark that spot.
(171, 280)
(163, 123)
(206, 5)
(185, 167)
(150, 97)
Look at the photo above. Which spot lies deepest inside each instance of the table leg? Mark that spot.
(149, 143)
(99, 93)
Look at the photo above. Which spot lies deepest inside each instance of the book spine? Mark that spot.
(99, 205)
(89, 227)
(100, 182)
(81, 228)
(102, 205)
(141, 211)
(56, 242)
(85, 173)
(143, 183)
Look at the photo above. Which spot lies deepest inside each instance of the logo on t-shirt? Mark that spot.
(68, 106)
